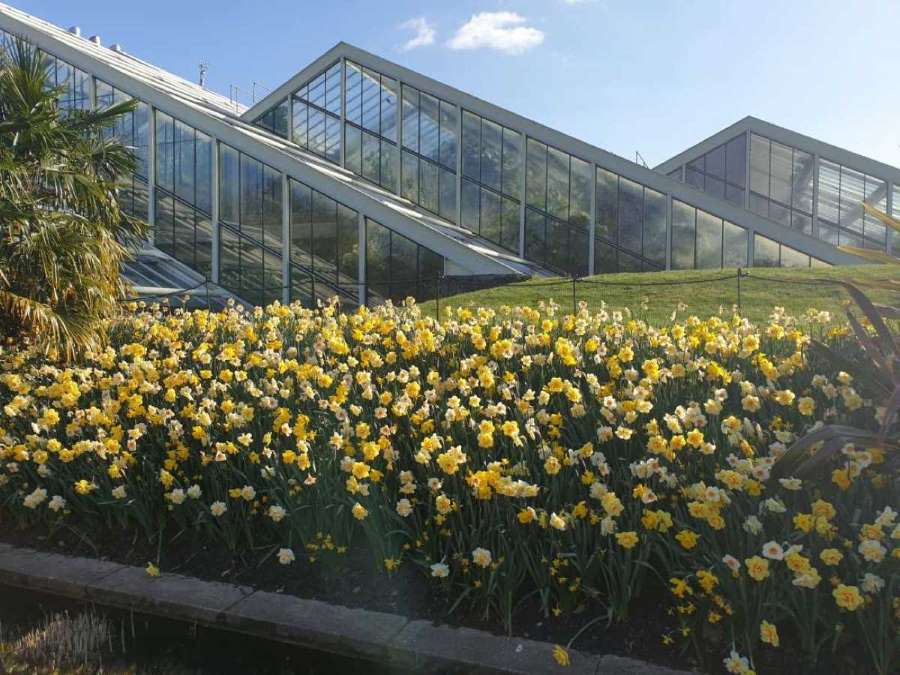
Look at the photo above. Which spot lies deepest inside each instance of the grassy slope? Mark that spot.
(760, 292)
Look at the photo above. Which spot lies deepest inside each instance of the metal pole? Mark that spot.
(739, 273)
(574, 310)
(437, 301)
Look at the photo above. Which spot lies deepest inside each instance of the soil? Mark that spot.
(360, 583)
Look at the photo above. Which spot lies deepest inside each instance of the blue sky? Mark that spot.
(649, 75)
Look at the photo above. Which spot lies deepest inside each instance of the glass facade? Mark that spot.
(721, 172)
(75, 84)
(630, 233)
(132, 130)
(371, 128)
(492, 158)
(781, 183)
(429, 146)
(316, 123)
(324, 245)
(770, 253)
(275, 119)
(250, 203)
(701, 240)
(841, 219)
(558, 214)
(183, 226)
(397, 267)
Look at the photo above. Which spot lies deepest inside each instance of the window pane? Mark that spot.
(471, 146)
(793, 258)
(449, 119)
(512, 163)
(536, 174)
(759, 165)
(300, 124)
(354, 93)
(709, 241)
(655, 226)
(491, 224)
(348, 245)
(371, 157)
(324, 235)
(184, 161)
(409, 177)
(781, 173)
(272, 207)
(804, 169)
(491, 149)
(371, 101)
(428, 126)
(470, 216)
(164, 236)
(389, 108)
(535, 225)
(204, 172)
(607, 204)
(605, 258)
(353, 152)
(251, 198)
(410, 118)
(580, 206)
(510, 215)
(682, 236)
(165, 151)
(630, 215)
(428, 186)
(301, 229)
(735, 161)
(447, 204)
(390, 163)
(734, 246)
(829, 190)
(557, 183)
(229, 195)
(715, 162)
(765, 252)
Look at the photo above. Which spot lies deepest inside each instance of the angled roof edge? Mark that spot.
(457, 245)
(788, 137)
(585, 151)
(158, 77)
(536, 130)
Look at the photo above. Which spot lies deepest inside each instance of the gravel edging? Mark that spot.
(386, 638)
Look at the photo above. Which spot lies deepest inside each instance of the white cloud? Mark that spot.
(503, 31)
(424, 33)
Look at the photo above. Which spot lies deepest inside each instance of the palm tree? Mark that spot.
(62, 234)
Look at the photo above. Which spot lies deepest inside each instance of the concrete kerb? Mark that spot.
(376, 636)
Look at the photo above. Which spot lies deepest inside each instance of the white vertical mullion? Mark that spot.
(746, 172)
(522, 185)
(593, 223)
(151, 172)
(361, 263)
(285, 239)
(459, 140)
(669, 219)
(815, 197)
(216, 253)
(344, 112)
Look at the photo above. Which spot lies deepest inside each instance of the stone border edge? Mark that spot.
(369, 635)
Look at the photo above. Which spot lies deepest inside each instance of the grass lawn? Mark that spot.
(761, 290)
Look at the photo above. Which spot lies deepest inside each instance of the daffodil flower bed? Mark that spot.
(521, 453)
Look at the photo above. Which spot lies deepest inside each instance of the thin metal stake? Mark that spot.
(739, 272)
(574, 312)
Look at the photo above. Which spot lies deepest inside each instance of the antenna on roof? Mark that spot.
(204, 67)
(638, 159)
(233, 90)
(253, 90)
